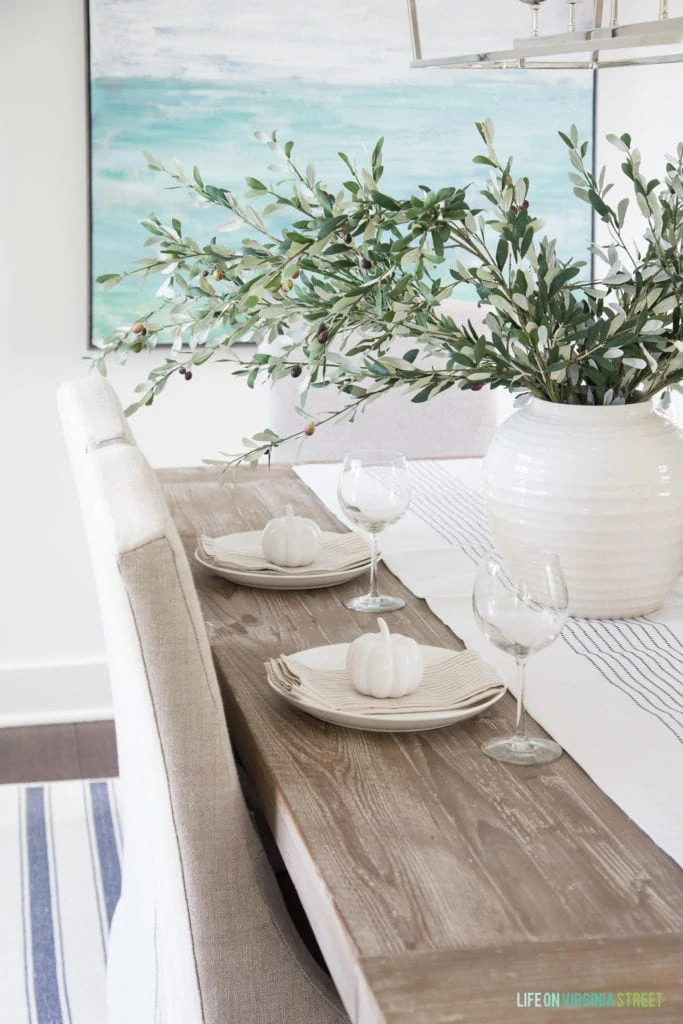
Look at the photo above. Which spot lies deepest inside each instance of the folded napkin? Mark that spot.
(337, 552)
(461, 680)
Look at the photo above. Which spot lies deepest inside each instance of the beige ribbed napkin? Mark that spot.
(461, 680)
(337, 552)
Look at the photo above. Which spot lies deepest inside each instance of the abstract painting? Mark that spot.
(193, 82)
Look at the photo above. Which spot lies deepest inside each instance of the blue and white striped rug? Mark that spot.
(60, 846)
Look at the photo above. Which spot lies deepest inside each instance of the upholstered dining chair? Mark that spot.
(200, 934)
(451, 424)
(93, 415)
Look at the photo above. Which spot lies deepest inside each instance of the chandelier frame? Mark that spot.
(565, 50)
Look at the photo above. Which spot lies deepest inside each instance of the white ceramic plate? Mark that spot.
(273, 581)
(334, 656)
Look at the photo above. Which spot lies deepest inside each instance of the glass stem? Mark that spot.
(374, 592)
(520, 730)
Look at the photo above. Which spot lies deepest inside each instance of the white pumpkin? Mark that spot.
(290, 540)
(384, 664)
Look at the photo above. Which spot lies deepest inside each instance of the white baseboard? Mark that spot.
(44, 693)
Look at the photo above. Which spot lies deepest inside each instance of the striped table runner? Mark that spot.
(59, 884)
(610, 692)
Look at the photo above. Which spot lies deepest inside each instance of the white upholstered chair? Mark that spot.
(200, 934)
(92, 414)
(454, 423)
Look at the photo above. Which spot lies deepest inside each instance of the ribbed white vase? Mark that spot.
(601, 486)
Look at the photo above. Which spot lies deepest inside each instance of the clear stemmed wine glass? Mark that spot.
(374, 492)
(520, 604)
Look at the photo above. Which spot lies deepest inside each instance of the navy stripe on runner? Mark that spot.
(653, 640)
(107, 851)
(662, 629)
(603, 664)
(662, 689)
(45, 985)
(474, 503)
(439, 513)
(445, 495)
(434, 508)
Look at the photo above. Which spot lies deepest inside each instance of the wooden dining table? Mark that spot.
(441, 886)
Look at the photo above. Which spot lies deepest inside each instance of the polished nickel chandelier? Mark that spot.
(604, 43)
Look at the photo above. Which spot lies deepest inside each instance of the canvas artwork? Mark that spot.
(194, 81)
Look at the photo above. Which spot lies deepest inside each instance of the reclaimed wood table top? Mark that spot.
(442, 886)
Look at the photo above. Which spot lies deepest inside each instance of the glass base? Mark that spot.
(375, 603)
(514, 750)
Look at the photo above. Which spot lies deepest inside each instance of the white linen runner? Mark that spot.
(610, 692)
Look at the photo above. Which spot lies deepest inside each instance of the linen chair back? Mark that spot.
(200, 923)
(92, 413)
(454, 423)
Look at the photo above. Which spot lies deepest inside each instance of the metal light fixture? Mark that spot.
(581, 46)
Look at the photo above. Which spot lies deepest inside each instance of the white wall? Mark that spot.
(51, 650)
(645, 102)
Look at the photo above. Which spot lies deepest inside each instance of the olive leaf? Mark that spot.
(347, 293)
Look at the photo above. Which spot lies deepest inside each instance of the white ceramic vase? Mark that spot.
(601, 486)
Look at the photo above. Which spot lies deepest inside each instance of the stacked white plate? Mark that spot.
(349, 550)
(376, 719)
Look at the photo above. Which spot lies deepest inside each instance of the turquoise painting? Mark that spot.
(193, 82)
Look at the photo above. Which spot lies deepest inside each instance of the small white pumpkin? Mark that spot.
(290, 540)
(384, 664)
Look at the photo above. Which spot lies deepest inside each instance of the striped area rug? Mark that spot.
(60, 879)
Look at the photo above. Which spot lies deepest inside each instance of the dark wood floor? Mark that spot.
(47, 753)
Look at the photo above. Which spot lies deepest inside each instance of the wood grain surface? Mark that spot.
(642, 976)
(406, 847)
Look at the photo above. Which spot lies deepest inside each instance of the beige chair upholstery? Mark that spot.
(454, 423)
(93, 414)
(200, 934)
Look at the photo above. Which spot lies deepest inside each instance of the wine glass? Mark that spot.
(374, 492)
(520, 604)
